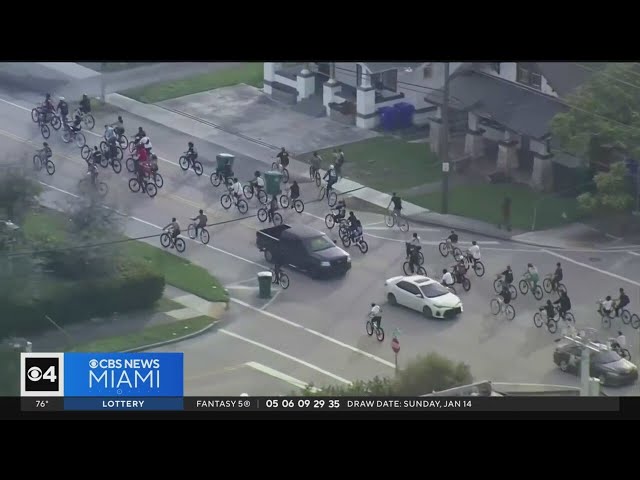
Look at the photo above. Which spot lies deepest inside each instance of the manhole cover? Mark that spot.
(594, 259)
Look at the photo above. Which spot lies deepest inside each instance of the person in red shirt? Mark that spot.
(143, 160)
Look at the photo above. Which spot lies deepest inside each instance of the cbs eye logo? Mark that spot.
(41, 374)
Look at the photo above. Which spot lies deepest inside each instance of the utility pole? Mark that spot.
(102, 83)
(332, 71)
(444, 138)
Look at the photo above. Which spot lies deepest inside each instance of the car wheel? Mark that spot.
(564, 365)
(426, 311)
(391, 298)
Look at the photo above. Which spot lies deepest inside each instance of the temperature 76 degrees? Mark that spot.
(42, 403)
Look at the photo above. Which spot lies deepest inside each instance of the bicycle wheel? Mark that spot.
(369, 328)
(312, 172)
(103, 189)
(298, 205)
(422, 271)
(606, 322)
(262, 197)
(478, 268)
(191, 231)
(225, 200)
(215, 179)
(80, 140)
(510, 312)
(380, 334)
(329, 221)
(568, 316)
(243, 207)
(332, 198)
(180, 245)
(318, 180)
(420, 258)
(56, 123)
(262, 214)
(546, 284)
(37, 162)
(85, 152)
(523, 285)
(51, 169)
(119, 153)
(285, 175)
(625, 315)
(538, 293)
(159, 181)
(204, 236)
(497, 285)
(104, 161)
(284, 280)
(88, 121)
(284, 201)
(134, 186)
(443, 249)
(457, 252)
(626, 354)
(277, 219)
(321, 192)
(44, 130)
(635, 321)
(132, 147)
(390, 221)
(34, 115)
(552, 326)
(248, 191)
(513, 292)
(346, 240)
(130, 164)
(116, 165)
(406, 269)
(123, 141)
(363, 246)
(184, 163)
(537, 319)
(403, 224)
(165, 241)
(494, 304)
(466, 284)
(197, 167)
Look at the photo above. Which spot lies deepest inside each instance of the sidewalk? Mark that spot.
(264, 152)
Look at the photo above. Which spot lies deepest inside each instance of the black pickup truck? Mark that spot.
(304, 248)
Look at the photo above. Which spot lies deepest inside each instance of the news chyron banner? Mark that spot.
(105, 381)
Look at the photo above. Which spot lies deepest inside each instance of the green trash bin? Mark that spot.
(224, 159)
(264, 284)
(272, 182)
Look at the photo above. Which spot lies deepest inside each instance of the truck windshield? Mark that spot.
(318, 244)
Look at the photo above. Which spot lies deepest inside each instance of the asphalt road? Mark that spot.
(314, 331)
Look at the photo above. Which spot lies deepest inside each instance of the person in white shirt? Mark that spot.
(258, 181)
(447, 279)
(109, 134)
(375, 315)
(619, 342)
(147, 144)
(607, 305)
(414, 244)
(474, 252)
(236, 188)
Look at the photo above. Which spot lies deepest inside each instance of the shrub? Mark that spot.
(134, 286)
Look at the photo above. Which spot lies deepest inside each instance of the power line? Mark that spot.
(604, 74)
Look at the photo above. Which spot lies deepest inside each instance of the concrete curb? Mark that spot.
(173, 340)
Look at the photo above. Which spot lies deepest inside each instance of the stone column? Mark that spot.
(435, 131)
(474, 140)
(366, 116)
(306, 84)
(329, 90)
(270, 69)
(507, 154)
(542, 173)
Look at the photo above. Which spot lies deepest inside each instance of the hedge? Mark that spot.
(133, 286)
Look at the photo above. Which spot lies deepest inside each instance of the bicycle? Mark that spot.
(87, 119)
(40, 116)
(314, 174)
(105, 159)
(149, 188)
(277, 166)
(394, 218)
(548, 286)
(204, 233)
(526, 284)
(539, 320)
(166, 240)
(281, 279)
(332, 196)
(370, 328)
(499, 282)
(157, 179)
(188, 160)
(409, 247)
(41, 159)
(498, 306)
(71, 134)
(605, 318)
(285, 201)
(106, 151)
(348, 239)
(217, 178)
(623, 352)
(478, 266)
(250, 190)
(462, 280)
(331, 218)
(406, 268)
(86, 183)
(226, 200)
(263, 215)
(446, 247)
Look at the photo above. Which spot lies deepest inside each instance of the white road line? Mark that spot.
(273, 299)
(412, 229)
(315, 332)
(240, 287)
(58, 189)
(285, 355)
(374, 223)
(604, 272)
(633, 253)
(280, 376)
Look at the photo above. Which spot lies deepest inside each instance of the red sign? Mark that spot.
(395, 345)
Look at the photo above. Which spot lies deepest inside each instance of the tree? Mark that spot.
(422, 376)
(18, 192)
(605, 117)
(612, 192)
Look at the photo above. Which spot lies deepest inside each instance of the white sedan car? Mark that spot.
(424, 295)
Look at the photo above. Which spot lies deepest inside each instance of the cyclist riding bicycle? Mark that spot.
(283, 157)
(623, 301)
(191, 153)
(459, 269)
(607, 306)
(277, 266)
(46, 149)
(63, 108)
(619, 342)
(414, 244)
(473, 253)
(92, 170)
(118, 126)
(564, 304)
(447, 279)
(258, 181)
(331, 177)
(316, 161)
(505, 294)
(48, 105)
(341, 211)
(414, 260)
(356, 229)
(110, 135)
(273, 207)
(225, 172)
(174, 229)
(75, 126)
(353, 221)
(146, 143)
(85, 104)
(557, 277)
(202, 221)
(139, 135)
(236, 189)
(397, 204)
(294, 192)
(375, 315)
(96, 155)
(453, 238)
(549, 310)
(507, 276)
(532, 275)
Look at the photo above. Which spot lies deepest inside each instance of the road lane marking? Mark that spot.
(281, 376)
(285, 355)
(425, 229)
(590, 267)
(314, 332)
(633, 253)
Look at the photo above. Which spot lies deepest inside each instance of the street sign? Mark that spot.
(395, 345)
(445, 167)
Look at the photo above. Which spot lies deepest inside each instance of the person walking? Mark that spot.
(506, 214)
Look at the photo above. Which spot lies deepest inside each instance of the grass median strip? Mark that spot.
(166, 305)
(249, 73)
(148, 336)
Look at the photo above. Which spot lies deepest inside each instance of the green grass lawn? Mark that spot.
(484, 202)
(148, 336)
(250, 73)
(166, 305)
(385, 163)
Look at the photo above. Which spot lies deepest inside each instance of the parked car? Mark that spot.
(303, 248)
(606, 365)
(424, 295)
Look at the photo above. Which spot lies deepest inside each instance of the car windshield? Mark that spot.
(318, 244)
(433, 290)
(606, 357)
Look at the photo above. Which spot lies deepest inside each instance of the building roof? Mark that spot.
(518, 108)
(383, 67)
(566, 77)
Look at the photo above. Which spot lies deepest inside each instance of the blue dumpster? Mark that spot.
(387, 118)
(404, 114)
